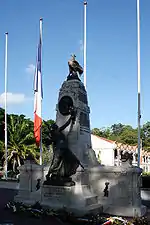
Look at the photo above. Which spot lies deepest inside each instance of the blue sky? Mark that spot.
(111, 55)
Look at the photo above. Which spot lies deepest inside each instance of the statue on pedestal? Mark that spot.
(74, 69)
(126, 158)
(64, 162)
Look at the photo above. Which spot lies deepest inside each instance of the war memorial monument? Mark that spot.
(75, 180)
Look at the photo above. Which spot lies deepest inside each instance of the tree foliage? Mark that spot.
(125, 134)
(21, 141)
(45, 131)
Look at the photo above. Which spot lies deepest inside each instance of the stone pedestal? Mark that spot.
(58, 197)
(124, 194)
(30, 175)
(79, 199)
(121, 197)
(87, 196)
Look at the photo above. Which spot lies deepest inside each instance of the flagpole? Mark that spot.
(6, 69)
(41, 27)
(85, 4)
(41, 24)
(139, 80)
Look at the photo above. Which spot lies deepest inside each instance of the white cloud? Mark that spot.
(81, 46)
(13, 98)
(30, 69)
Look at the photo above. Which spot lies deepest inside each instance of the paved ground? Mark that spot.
(9, 185)
(6, 217)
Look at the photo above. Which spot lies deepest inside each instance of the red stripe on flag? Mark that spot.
(37, 129)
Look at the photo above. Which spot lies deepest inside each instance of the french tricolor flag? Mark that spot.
(38, 96)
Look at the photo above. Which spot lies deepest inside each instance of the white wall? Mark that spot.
(105, 148)
(107, 157)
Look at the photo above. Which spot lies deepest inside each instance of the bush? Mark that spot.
(139, 221)
(146, 174)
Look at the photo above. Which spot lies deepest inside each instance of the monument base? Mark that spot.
(76, 199)
(112, 190)
(118, 189)
(31, 177)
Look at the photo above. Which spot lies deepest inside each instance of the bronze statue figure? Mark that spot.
(74, 68)
(64, 162)
(126, 157)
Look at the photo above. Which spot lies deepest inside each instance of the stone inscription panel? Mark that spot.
(84, 120)
(25, 181)
(83, 98)
(55, 191)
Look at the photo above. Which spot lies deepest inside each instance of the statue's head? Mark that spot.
(73, 56)
(127, 157)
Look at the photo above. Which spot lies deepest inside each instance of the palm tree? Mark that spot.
(21, 141)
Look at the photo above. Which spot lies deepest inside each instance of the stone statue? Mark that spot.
(74, 68)
(64, 162)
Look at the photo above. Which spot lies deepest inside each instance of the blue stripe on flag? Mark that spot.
(38, 70)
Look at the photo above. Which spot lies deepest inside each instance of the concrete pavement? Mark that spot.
(9, 185)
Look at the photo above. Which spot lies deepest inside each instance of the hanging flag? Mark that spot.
(38, 95)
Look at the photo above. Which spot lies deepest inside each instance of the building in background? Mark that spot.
(104, 149)
(109, 152)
